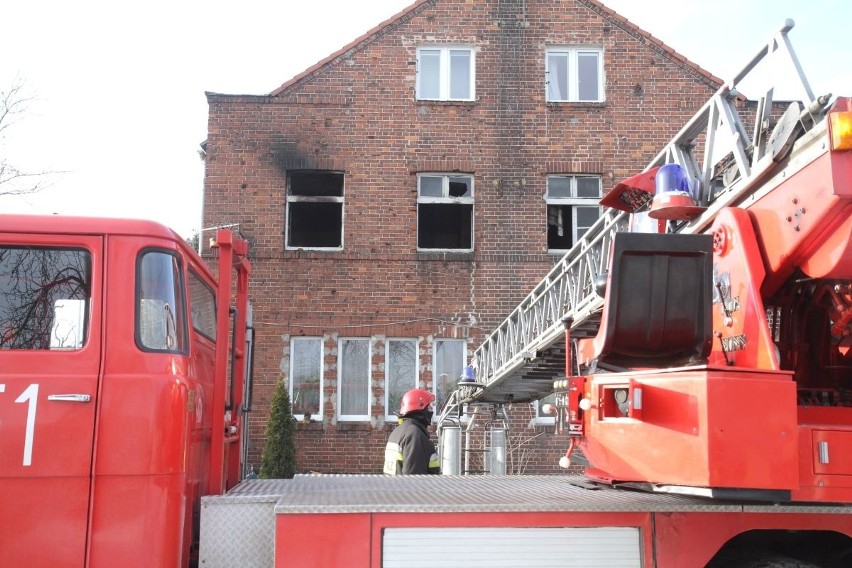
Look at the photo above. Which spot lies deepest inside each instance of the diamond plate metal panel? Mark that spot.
(238, 530)
(437, 494)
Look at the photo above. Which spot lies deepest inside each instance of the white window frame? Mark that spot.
(445, 198)
(319, 363)
(541, 418)
(572, 55)
(390, 413)
(368, 394)
(573, 202)
(436, 378)
(444, 72)
(314, 199)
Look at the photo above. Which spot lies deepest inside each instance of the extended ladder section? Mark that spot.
(520, 359)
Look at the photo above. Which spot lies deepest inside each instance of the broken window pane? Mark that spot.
(444, 226)
(316, 184)
(559, 227)
(460, 187)
(445, 212)
(315, 225)
(315, 209)
(572, 208)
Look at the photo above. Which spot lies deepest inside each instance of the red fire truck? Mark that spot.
(699, 342)
(120, 396)
(709, 384)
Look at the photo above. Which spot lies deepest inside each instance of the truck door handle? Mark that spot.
(823, 452)
(70, 397)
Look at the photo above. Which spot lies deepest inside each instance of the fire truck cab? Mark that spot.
(116, 414)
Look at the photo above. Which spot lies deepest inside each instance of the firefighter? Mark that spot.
(409, 449)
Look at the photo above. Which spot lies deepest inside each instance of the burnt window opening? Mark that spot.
(572, 208)
(444, 212)
(315, 210)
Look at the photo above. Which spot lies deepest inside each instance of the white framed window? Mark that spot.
(572, 207)
(574, 75)
(353, 379)
(444, 212)
(445, 73)
(448, 360)
(541, 417)
(306, 377)
(314, 210)
(401, 372)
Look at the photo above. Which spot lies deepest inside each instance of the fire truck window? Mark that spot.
(160, 309)
(202, 301)
(45, 294)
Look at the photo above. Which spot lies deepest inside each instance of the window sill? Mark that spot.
(444, 255)
(559, 105)
(354, 426)
(313, 249)
(438, 102)
(309, 426)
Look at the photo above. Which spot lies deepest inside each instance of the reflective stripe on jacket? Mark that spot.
(410, 451)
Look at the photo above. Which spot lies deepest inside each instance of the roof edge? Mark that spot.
(655, 44)
(386, 26)
(356, 45)
(217, 97)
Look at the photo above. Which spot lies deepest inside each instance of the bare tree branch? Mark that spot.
(14, 103)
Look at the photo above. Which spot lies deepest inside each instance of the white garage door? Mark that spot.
(612, 547)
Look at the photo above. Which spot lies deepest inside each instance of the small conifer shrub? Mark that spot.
(279, 454)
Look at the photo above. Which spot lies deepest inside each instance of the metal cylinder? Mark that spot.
(451, 450)
(497, 451)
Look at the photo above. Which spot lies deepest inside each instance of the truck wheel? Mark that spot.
(762, 559)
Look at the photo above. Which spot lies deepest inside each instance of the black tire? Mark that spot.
(758, 559)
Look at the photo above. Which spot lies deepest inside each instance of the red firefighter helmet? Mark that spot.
(415, 399)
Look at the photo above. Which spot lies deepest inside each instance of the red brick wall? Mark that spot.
(358, 114)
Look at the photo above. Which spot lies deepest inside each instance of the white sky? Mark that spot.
(119, 87)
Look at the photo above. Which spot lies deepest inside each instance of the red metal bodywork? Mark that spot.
(121, 476)
(355, 539)
(677, 539)
(698, 428)
(767, 410)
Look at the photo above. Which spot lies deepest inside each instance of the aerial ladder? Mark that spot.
(727, 165)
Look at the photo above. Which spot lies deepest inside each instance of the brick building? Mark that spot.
(404, 194)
